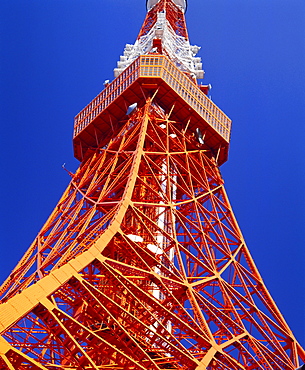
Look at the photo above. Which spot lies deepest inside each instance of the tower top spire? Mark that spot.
(181, 3)
(164, 32)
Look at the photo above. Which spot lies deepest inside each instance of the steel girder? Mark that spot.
(142, 265)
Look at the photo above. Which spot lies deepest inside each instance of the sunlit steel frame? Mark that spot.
(142, 264)
(95, 305)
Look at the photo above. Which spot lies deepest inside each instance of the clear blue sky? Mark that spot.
(55, 55)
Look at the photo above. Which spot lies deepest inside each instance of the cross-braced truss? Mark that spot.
(143, 266)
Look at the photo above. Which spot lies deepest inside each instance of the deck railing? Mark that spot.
(156, 66)
(98, 104)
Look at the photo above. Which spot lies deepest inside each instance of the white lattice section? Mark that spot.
(177, 48)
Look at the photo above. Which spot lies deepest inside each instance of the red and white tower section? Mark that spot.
(142, 264)
(164, 32)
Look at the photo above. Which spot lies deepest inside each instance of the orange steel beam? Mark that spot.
(174, 14)
(167, 283)
(142, 264)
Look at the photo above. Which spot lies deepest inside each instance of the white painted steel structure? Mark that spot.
(176, 47)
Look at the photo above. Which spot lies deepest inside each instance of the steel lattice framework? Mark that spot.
(142, 264)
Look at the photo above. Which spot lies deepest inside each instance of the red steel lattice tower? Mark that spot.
(142, 264)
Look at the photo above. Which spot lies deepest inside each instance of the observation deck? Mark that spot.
(98, 121)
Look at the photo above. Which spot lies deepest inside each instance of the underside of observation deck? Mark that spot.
(149, 76)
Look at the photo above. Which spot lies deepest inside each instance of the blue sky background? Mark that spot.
(54, 58)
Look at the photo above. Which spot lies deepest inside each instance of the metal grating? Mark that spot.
(156, 66)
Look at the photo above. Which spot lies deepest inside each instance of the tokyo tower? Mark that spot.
(142, 264)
